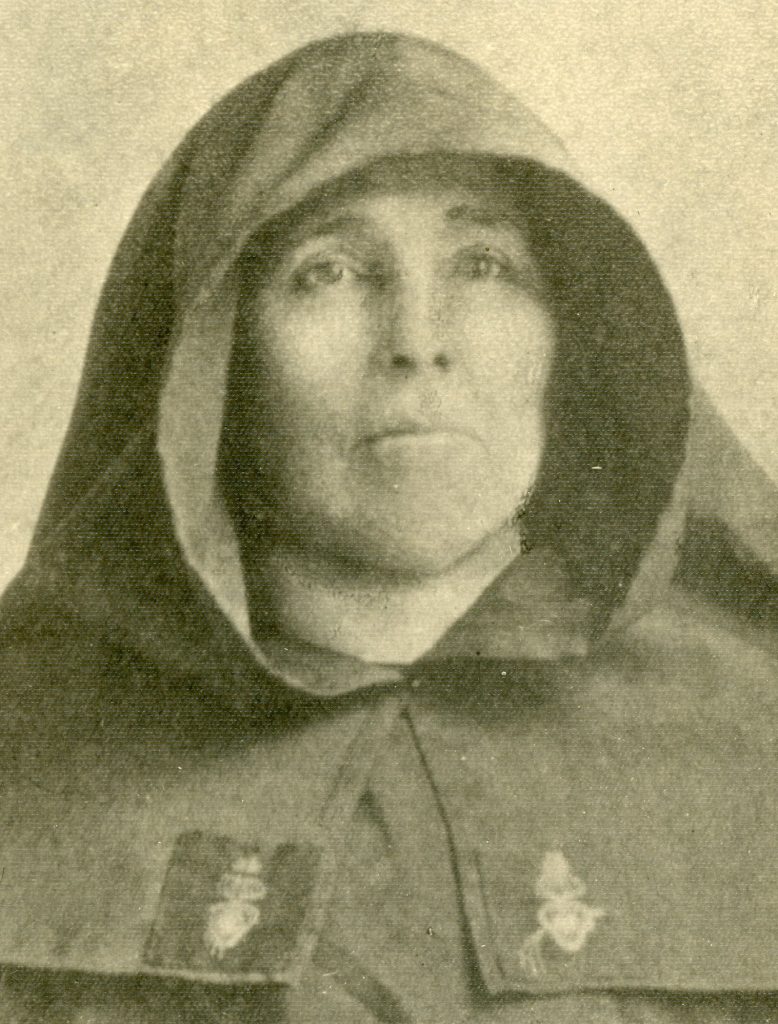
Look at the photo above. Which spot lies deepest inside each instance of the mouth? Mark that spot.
(415, 430)
(418, 443)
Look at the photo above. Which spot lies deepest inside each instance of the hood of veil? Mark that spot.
(134, 539)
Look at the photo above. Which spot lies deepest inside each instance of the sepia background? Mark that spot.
(670, 109)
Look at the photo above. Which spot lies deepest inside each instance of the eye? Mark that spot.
(483, 264)
(322, 273)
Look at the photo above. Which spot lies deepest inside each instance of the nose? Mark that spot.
(413, 337)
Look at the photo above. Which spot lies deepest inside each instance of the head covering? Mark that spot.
(134, 541)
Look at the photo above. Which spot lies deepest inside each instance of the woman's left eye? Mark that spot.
(484, 266)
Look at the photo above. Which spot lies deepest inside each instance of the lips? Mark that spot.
(406, 428)
(420, 445)
(415, 427)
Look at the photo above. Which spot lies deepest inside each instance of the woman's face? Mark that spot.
(399, 346)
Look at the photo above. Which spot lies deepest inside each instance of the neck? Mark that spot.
(374, 618)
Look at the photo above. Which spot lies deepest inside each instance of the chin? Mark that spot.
(414, 553)
(411, 534)
(414, 564)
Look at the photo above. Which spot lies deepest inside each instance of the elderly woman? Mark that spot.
(387, 649)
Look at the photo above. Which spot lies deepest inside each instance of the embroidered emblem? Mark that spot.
(233, 909)
(563, 916)
(233, 916)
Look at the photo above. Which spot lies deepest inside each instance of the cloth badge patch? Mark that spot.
(233, 909)
(533, 926)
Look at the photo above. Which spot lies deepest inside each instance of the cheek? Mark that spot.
(509, 348)
(311, 366)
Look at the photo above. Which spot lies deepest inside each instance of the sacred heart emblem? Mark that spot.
(564, 918)
(236, 913)
(236, 909)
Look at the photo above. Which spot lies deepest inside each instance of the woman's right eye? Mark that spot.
(323, 274)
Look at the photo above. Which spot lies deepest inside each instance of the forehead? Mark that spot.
(455, 189)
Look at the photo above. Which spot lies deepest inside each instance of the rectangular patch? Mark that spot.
(233, 909)
(535, 926)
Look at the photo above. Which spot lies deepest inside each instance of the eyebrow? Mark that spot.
(318, 226)
(463, 212)
(327, 226)
(482, 216)
(301, 231)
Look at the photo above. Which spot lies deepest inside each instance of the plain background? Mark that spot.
(670, 108)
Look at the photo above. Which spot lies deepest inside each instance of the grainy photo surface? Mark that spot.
(393, 636)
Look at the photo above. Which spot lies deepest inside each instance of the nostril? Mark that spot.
(401, 361)
(442, 361)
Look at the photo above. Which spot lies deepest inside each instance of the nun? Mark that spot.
(396, 642)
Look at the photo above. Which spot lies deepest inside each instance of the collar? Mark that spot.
(527, 613)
